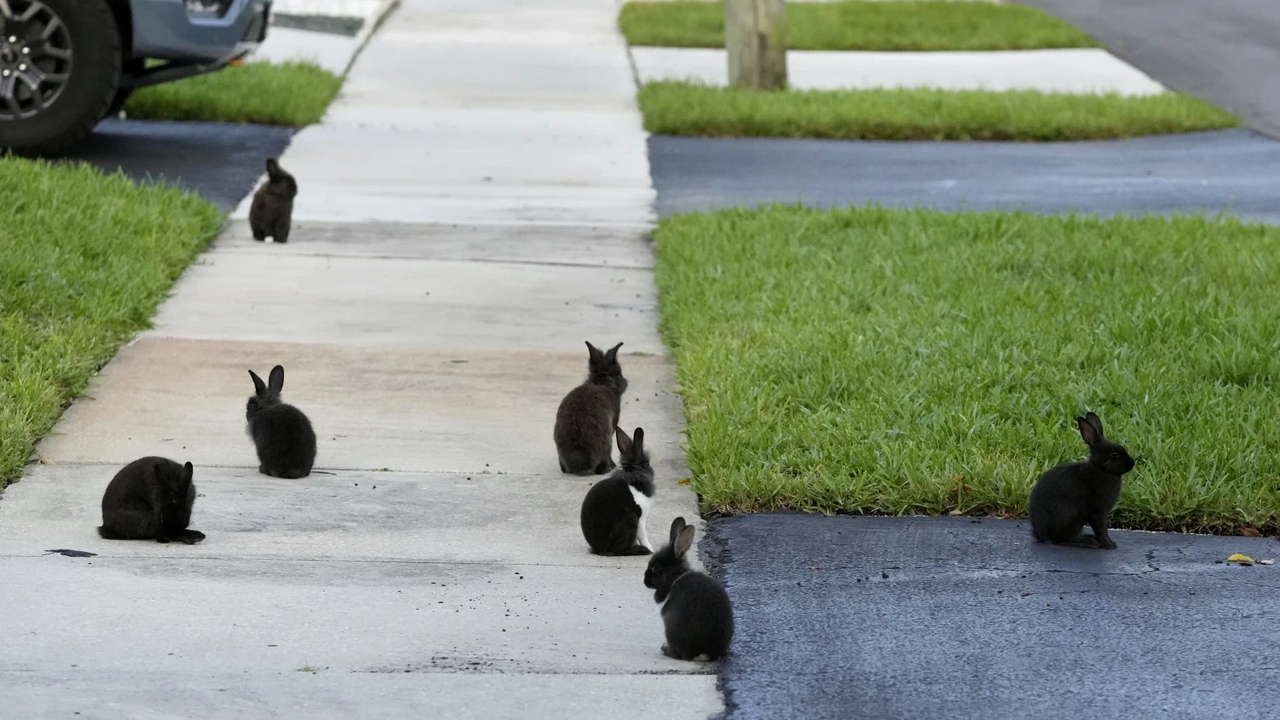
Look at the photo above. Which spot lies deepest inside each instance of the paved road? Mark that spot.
(219, 161)
(1236, 171)
(862, 617)
(1225, 51)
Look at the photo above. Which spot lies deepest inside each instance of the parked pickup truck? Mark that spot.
(67, 64)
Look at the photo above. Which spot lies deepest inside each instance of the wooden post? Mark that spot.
(756, 44)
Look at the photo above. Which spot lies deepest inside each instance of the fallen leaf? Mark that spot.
(1009, 516)
(1242, 559)
(815, 567)
(1266, 562)
(685, 481)
(957, 478)
(46, 461)
(1249, 532)
(956, 512)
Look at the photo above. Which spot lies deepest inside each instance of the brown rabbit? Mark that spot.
(272, 209)
(588, 415)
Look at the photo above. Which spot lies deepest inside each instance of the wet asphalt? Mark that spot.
(221, 162)
(1229, 171)
(928, 618)
(874, 617)
(1223, 51)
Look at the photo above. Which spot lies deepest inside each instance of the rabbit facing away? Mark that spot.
(1072, 495)
(272, 210)
(589, 413)
(696, 610)
(281, 432)
(150, 498)
(614, 509)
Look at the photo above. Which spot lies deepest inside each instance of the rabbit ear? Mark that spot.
(1088, 432)
(258, 385)
(624, 442)
(676, 526)
(187, 471)
(1096, 422)
(637, 441)
(273, 169)
(684, 541)
(594, 351)
(612, 355)
(276, 381)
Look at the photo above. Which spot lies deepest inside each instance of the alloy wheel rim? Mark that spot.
(35, 58)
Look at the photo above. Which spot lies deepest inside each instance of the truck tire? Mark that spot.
(60, 64)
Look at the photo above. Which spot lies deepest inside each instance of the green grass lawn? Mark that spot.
(674, 108)
(289, 94)
(85, 260)
(861, 26)
(890, 361)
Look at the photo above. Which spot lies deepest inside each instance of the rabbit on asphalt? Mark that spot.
(1071, 495)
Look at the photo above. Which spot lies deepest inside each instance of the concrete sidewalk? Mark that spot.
(327, 33)
(472, 209)
(1077, 70)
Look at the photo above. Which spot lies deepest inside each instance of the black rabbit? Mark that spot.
(614, 510)
(150, 498)
(588, 415)
(696, 610)
(1072, 495)
(272, 210)
(283, 435)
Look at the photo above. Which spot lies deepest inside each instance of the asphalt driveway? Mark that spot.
(1224, 51)
(1231, 171)
(219, 161)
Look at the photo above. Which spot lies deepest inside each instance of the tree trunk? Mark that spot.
(756, 44)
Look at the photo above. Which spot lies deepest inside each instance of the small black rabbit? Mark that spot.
(150, 498)
(1072, 495)
(697, 613)
(283, 435)
(272, 210)
(614, 510)
(588, 415)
